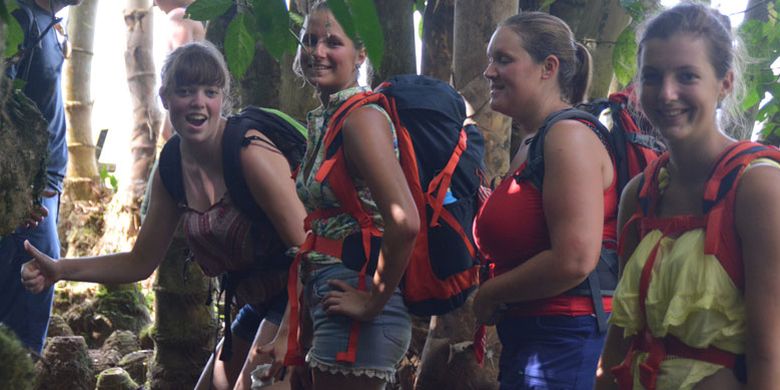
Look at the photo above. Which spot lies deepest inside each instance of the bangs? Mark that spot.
(195, 68)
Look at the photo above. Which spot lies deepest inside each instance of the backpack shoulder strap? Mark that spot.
(169, 167)
(534, 169)
(719, 204)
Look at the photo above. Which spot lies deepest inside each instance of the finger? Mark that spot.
(43, 211)
(33, 251)
(341, 285)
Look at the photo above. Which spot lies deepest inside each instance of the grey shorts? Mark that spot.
(382, 341)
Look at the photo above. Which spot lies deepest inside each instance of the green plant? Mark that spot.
(270, 22)
(106, 175)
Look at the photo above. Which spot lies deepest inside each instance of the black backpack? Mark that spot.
(287, 134)
(631, 151)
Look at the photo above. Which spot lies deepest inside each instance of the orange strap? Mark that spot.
(315, 243)
(441, 183)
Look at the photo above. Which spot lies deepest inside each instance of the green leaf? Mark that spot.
(341, 11)
(751, 99)
(239, 46)
(368, 28)
(204, 10)
(635, 8)
(5, 10)
(272, 22)
(14, 35)
(297, 20)
(546, 5)
(624, 56)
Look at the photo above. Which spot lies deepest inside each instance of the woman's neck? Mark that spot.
(208, 153)
(530, 124)
(693, 159)
(325, 95)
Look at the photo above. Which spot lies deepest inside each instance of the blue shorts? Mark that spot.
(251, 315)
(27, 314)
(382, 342)
(548, 352)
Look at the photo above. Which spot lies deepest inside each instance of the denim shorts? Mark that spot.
(251, 315)
(548, 352)
(382, 341)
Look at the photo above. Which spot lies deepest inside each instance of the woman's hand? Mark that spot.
(485, 309)
(276, 351)
(351, 302)
(40, 272)
(37, 214)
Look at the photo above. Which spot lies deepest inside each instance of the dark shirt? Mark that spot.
(43, 85)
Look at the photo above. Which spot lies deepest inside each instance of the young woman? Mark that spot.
(681, 320)
(329, 60)
(545, 241)
(195, 87)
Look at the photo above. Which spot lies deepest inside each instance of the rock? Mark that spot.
(123, 341)
(65, 365)
(17, 367)
(58, 327)
(115, 379)
(103, 360)
(136, 364)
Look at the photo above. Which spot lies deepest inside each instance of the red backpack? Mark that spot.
(441, 159)
(721, 240)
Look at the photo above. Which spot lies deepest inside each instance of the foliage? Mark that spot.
(270, 22)
(105, 175)
(17, 366)
(763, 43)
(14, 36)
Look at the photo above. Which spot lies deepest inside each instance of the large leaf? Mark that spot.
(272, 22)
(14, 34)
(340, 10)
(635, 8)
(624, 56)
(368, 28)
(204, 10)
(239, 46)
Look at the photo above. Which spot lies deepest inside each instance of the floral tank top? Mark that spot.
(319, 196)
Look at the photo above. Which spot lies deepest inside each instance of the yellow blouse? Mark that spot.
(690, 296)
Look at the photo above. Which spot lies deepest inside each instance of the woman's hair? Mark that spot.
(196, 63)
(542, 35)
(725, 50)
(320, 6)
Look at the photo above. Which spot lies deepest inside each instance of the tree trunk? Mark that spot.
(437, 42)
(82, 175)
(447, 360)
(598, 24)
(398, 29)
(471, 37)
(185, 327)
(141, 80)
(124, 209)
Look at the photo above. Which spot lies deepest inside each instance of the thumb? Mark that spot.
(33, 251)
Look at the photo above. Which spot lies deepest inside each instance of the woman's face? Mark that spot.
(679, 90)
(195, 110)
(329, 58)
(513, 74)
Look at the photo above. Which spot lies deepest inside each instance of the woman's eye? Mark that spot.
(688, 77)
(183, 91)
(309, 40)
(212, 93)
(649, 78)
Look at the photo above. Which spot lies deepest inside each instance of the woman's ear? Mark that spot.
(361, 57)
(550, 67)
(726, 85)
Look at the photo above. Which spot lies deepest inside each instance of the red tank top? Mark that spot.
(510, 228)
